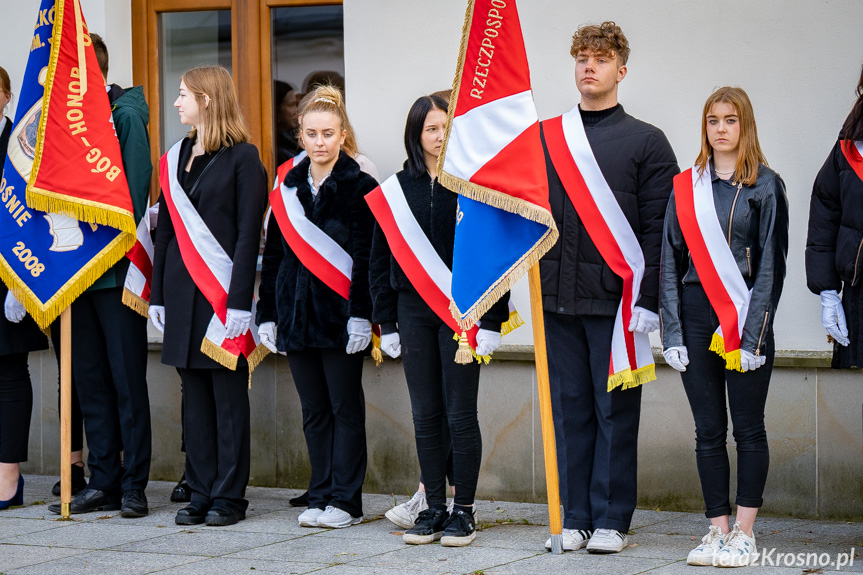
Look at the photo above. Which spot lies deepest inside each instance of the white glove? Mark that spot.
(14, 309)
(267, 335)
(643, 321)
(749, 362)
(157, 316)
(391, 344)
(237, 322)
(833, 316)
(153, 212)
(360, 334)
(487, 341)
(677, 357)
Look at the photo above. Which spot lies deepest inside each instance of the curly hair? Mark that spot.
(607, 38)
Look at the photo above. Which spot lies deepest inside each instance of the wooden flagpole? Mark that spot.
(549, 448)
(66, 412)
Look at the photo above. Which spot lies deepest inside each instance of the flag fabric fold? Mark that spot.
(136, 288)
(48, 258)
(492, 156)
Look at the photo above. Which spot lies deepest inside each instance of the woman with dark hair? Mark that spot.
(19, 335)
(722, 272)
(833, 246)
(443, 393)
(213, 201)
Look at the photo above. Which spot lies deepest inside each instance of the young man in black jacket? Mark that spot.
(596, 430)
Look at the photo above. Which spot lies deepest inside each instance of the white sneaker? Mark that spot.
(405, 515)
(738, 550)
(705, 553)
(309, 517)
(607, 541)
(336, 518)
(573, 539)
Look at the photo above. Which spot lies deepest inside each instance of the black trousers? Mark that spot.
(77, 418)
(109, 362)
(443, 394)
(217, 433)
(16, 403)
(329, 382)
(708, 384)
(596, 431)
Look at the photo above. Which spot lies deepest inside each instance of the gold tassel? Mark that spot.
(377, 356)
(136, 302)
(464, 354)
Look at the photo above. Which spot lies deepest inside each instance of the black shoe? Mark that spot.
(193, 513)
(223, 513)
(90, 500)
(460, 529)
(429, 526)
(134, 504)
(300, 500)
(79, 484)
(181, 493)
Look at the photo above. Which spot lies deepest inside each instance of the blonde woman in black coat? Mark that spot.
(222, 175)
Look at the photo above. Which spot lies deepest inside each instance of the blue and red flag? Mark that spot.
(492, 156)
(66, 212)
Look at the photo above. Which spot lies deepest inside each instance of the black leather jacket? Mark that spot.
(758, 232)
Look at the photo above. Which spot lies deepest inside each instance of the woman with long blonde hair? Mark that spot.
(723, 267)
(222, 176)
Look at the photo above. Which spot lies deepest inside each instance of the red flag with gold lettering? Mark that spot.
(78, 169)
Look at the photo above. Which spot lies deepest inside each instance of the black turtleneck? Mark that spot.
(593, 117)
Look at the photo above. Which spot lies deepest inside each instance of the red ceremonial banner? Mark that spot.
(78, 167)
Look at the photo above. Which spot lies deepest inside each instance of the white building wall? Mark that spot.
(799, 60)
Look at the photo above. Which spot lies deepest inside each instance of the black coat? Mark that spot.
(231, 198)
(307, 312)
(25, 335)
(638, 163)
(834, 245)
(435, 208)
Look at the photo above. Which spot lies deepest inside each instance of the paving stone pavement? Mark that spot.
(33, 540)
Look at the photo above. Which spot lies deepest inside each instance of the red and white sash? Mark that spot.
(321, 255)
(413, 251)
(210, 268)
(136, 288)
(853, 152)
(718, 271)
(631, 356)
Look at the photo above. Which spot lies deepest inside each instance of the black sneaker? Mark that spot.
(460, 529)
(428, 527)
(79, 484)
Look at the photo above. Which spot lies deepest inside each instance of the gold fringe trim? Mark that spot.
(732, 359)
(377, 356)
(255, 359)
(629, 379)
(82, 210)
(136, 302)
(514, 322)
(220, 355)
(467, 319)
(45, 313)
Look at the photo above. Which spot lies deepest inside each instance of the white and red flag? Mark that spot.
(631, 361)
(492, 156)
(718, 271)
(139, 277)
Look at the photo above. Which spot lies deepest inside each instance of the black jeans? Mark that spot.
(330, 385)
(596, 431)
(109, 362)
(442, 393)
(707, 384)
(217, 433)
(16, 403)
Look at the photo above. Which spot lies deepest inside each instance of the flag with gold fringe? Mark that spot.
(67, 214)
(492, 157)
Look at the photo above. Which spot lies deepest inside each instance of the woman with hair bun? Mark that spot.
(216, 192)
(722, 272)
(314, 304)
